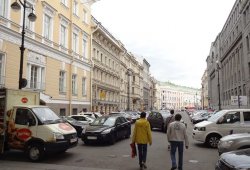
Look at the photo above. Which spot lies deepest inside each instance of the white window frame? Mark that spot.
(50, 12)
(75, 7)
(65, 2)
(75, 40)
(74, 84)
(4, 8)
(2, 69)
(62, 82)
(85, 17)
(39, 82)
(85, 46)
(84, 86)
(47, 32)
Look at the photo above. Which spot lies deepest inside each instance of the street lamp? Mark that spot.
(32, 17)
(218, 68)
(129, 72)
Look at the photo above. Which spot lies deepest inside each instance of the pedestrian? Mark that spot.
(177, 135)
(142, 137)
(169, 120)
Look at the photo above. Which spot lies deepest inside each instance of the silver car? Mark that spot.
(234, 142)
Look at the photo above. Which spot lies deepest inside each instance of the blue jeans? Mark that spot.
(142, 152)
(174, 146)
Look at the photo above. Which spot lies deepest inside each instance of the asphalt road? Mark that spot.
(117, 156)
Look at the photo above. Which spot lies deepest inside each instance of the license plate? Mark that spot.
(92, 137)
(73, 140)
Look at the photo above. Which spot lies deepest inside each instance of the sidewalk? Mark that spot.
(14, 165)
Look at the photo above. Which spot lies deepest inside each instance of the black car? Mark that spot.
(79, 126)
(157, 119)
(239, 159)
(107, 129)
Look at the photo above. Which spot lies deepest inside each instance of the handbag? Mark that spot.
(133, 150)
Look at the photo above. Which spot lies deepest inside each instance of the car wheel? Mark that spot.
(213, 140)
(35, 152)
(86, 142)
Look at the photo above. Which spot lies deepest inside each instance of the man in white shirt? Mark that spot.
(177, 135)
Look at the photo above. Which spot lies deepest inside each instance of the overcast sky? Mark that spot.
(174, 36)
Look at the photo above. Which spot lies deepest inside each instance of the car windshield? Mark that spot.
(46, 115)
(215, 117)
(104, 121)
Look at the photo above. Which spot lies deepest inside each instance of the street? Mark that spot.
(117, 156)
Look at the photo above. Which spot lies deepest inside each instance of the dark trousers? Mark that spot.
(142, 152)
(177, 145)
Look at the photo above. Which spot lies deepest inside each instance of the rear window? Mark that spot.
(246, 117)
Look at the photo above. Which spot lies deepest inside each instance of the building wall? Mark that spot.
(232, 67)
(47, 54)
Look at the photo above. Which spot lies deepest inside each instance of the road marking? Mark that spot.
(193, 161)
(125, 156)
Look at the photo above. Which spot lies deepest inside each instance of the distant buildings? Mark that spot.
(178, 97)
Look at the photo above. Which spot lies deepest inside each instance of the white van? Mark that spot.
(220, 124)
(29, 127)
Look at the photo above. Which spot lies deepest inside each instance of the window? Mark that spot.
(84, 47)
(62, 112)
(75, 42)
(64, 2)
(74, 84)
(25, 117)
(246, 117)
(36, 77)
(75, 7)
(47, 27)
(28, 23)
(84, 86)
(232, 117)
(62, 82)
(74, 112)
(248, 46)
(85, 16)
(2, 68)
(3, 8)
(63, 35)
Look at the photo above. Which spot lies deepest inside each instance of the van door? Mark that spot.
(246, 122)
(21, 128)
(229, 123)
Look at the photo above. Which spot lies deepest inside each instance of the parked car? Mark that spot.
(83, 118)
(79, 126)
(234, 142)
(91, 114)
(201, 117)
(157, 119)
(134, 116)
(107, 129)
(234, 160)
(220, 124)
(126, 115)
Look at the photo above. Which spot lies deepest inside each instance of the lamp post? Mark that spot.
(218, 68)
(32, 17)
(128, 88)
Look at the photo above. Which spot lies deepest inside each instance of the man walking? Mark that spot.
(177, 135)
(142, 136)
(169, 120)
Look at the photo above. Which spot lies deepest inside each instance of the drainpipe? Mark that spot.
(92, 64)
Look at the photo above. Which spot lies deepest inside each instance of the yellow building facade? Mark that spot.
(57, 52)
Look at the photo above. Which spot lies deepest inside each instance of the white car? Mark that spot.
(220, 124)
(91, 114)
(83, 118)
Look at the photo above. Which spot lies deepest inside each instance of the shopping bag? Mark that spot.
(133, 150)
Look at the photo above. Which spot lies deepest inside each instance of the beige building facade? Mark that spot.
(57, 52)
